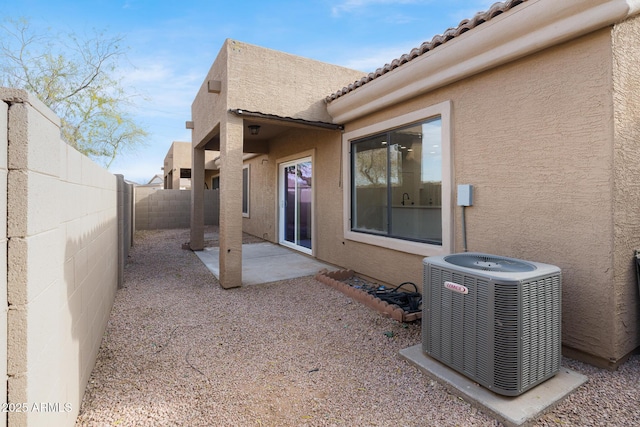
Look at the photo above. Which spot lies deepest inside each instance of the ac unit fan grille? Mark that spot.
(490, 263)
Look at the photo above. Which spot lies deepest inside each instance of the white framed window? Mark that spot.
(245, 190)
(398, 182)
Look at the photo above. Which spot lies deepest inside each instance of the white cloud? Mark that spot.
(167, 87)
(372, 58)
(400, 19)
(164, 87)
(349, 6)
(471, 8)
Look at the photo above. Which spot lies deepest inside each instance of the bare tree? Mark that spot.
(76, 78)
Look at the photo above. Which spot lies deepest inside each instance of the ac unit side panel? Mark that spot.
(431, 315)
(470, 335)
(457, 328)
(484, 331)
(446, 323)
(541, 329)
(506, 335)
(458, 315)
(433, 341)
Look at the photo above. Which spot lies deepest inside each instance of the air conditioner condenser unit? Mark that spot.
(494, 319)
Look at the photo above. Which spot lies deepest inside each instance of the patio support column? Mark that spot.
(230, 233)
(197, 200)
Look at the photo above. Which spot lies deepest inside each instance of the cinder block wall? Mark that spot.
(165, 209)
(4, 144)
(62, 262)
(125, 224)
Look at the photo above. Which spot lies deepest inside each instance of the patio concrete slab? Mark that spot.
(266, 262)
(511, 411)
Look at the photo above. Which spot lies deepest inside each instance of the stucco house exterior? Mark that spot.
(177, 167)
(535, 103)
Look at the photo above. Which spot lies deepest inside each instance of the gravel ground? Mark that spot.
(181, 351)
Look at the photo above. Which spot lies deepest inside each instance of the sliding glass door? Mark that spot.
(296, 204)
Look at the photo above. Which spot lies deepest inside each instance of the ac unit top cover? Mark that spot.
(493, 267)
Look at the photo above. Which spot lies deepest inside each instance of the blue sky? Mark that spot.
(172, 44)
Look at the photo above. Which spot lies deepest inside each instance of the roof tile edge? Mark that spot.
(439, 39)
(536, 25)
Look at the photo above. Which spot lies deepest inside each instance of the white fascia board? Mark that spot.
(634, 7)
(529, 28)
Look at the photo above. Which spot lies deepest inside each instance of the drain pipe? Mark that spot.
(465, 198)
(464, 229)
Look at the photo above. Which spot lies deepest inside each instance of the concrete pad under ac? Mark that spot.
(511, 411)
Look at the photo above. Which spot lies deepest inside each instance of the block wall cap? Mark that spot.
(20, 96)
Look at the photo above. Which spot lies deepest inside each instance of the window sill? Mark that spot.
(407, 246)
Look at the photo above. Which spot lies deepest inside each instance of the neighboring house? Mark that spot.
(177, 167)
(156, 181)
(534, 103)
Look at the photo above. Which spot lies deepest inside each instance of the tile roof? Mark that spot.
(451, 33)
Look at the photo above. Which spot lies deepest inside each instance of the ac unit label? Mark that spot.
(456, 288)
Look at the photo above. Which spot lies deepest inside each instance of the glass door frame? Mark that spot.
(282, 204)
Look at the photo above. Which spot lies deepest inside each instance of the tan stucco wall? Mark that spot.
(626, 103)
(264, 80)
(534, 137)
(259, 76)
(207, 108)
(179, 157)
(543, 182)
(262, 196)
(291, 145)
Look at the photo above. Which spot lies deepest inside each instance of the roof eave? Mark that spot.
(529, 28)
(301, 122)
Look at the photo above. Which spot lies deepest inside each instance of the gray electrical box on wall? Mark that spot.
(465, 195)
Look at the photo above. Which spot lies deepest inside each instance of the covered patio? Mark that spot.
(246, 109)
(262, 262)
